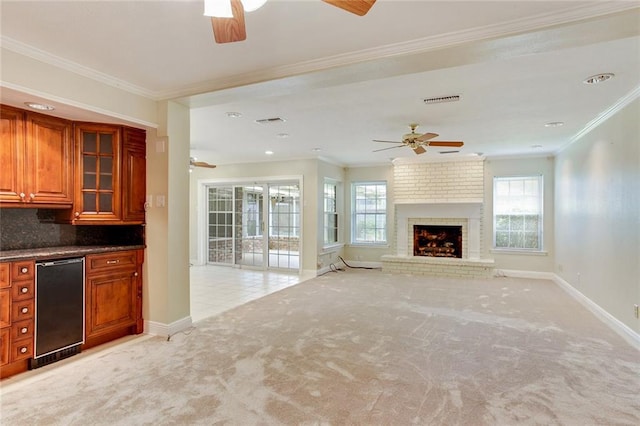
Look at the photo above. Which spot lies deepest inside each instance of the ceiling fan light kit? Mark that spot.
(227, 16)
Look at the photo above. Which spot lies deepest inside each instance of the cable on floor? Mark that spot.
(357, 267)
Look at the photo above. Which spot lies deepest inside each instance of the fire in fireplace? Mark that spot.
(437, 240)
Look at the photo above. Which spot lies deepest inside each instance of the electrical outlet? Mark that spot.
(636, 311)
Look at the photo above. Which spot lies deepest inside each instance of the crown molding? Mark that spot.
(603, 116)
(74, 67)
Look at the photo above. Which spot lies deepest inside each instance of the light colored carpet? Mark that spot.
(357, 348)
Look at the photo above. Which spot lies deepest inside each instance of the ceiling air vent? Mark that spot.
(441, 99)
(270, 120)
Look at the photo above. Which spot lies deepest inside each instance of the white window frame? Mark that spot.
(357, 214)
(330, 210)
(518, 203)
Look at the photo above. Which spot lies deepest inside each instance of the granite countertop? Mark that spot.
(47, 253)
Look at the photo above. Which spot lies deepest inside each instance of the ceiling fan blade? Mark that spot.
(228, 30)
(376, 140)
(426, 137)
(384, 149)
(359, 7)
(446, 143)
(203, 164)
(419, 150)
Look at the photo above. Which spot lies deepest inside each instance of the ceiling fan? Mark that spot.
(194, 163)
(418, 142)
(231, 29)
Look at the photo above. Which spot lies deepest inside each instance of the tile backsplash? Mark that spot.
(35, 228)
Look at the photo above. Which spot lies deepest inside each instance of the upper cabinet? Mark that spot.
(110, 175)
(37, 160)
(94, 174)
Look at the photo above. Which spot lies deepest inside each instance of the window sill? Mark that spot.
(330, 248)
(522, 252)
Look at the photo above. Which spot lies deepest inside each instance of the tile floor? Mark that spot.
(215, 289)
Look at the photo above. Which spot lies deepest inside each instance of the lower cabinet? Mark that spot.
(113, 304)
(113, 292)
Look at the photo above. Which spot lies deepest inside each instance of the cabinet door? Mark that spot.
(111, 302)
(49, 160)
(4, 345)
(134, 175)
(11, 154)
(98, 197)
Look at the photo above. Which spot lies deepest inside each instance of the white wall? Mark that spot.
(537, 262)
(597, 228)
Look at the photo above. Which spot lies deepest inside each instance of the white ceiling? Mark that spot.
(340, 80)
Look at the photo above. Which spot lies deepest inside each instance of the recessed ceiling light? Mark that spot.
(232, 114)
(554, 124)
(316, 149)
(536, 146)
(598, 78)
(268, 152)
(39, 106)
(283, 135)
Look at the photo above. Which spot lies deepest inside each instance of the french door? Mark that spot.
(256, 226)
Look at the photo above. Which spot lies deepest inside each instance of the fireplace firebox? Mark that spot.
(437, 241)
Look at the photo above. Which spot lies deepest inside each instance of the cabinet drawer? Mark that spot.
(21, 349)
(22, 310)
(22, 330)
(22, 290)
(23, 271)
(4, 275)
(111, 261)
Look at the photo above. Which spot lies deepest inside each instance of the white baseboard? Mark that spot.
(524, 274)
(618, 326)
(160, 329)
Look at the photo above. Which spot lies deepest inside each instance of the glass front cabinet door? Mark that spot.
(97, 195)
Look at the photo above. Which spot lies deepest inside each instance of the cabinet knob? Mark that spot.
(24, 310)
(24, 270)
(24, 330)
(135, 274)
(77, 214)
(24, 290)
(22, 195)
(32, 195)
(23, 350)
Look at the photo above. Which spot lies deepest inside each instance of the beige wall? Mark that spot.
(538, 262)
(597, 228)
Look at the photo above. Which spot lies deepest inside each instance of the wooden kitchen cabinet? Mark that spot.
(134, 172)
(110, 176)
(17, 285)
(113, 292)
(37, 160)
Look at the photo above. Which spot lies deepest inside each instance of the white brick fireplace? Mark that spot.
(442, 193)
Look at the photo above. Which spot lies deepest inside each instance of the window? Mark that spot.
(369, 207)
(330, 213)
(517, 213)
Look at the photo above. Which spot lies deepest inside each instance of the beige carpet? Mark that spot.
(357, 348)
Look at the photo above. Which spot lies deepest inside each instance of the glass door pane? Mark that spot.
(249, 224)
(220, 225)
(284, 226)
